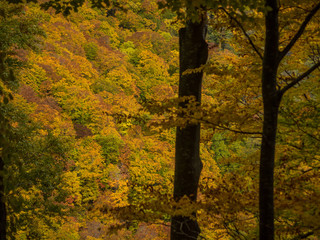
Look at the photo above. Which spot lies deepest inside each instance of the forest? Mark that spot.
(159, 119)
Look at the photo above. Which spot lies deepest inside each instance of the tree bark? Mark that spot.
(271, 101)
(188, 166)
(3, 212)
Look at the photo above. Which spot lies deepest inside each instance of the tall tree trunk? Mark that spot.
(271, 101)
(3, 212)
(188, 166)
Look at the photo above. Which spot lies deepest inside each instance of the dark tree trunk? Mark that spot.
(3, 212)
(188, 166)
(271, 101)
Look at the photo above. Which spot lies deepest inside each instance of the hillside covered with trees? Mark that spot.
(109, 111)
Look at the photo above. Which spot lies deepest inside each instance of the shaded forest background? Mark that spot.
(88, 119)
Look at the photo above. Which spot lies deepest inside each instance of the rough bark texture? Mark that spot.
(3, 213)
(193, 54)
(271, 101)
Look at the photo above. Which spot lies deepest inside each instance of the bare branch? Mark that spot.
(300, 31)
(244, 32)
(298, 79)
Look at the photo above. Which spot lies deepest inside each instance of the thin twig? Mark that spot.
(227, 128)
(239, 131)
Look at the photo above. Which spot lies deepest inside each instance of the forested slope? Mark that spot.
(78, 119)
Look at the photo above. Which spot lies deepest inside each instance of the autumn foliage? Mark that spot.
(88, 110)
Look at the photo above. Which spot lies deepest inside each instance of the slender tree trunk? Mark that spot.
(271, 101)
(188, 166)
(3, 212)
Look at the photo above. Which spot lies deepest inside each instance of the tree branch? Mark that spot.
(300, 31)
(298, 79)
(239, 131)
(227, 128)
(302, 236)
(244, 32)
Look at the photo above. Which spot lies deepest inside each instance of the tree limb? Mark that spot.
(244, 32)
(227, 128)
(303, 236)
(239, 131)
(298, 79)
(300, 31)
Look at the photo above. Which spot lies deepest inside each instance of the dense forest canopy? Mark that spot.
(91, 110)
